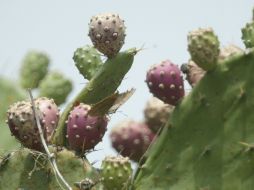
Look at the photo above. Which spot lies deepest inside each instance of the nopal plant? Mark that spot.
(201, 140)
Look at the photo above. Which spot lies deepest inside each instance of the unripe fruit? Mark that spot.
(157, 113)
(203, 46)
(87, 60)
(116, 172)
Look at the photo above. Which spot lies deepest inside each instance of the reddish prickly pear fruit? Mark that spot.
(157, 113)
(165, 82)
(131, 139)
(83, 130)
(107, 32)
(22, 122)
(193, 72)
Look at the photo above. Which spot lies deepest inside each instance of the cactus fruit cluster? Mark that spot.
(202, 141)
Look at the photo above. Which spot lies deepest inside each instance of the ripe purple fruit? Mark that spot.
(131, 139)
(23, 126)
(83, 130)
(165, 82)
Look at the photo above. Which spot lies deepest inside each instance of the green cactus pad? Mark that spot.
(248, 35)
(87, 60)
(104, 83)
(203, 46)
(33, 69)
(208, 141)
(10, 93)
(24, 169)
(116, 172)
(55, 85)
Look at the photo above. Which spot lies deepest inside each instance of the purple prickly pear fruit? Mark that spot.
(23, 126)
(193, 72)
(165, 82)
(50, 115)
(107, 32)
(131, 139)
(84, 131)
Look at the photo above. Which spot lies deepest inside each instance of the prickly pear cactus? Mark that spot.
(26, 169)
(55, 85)
(33, 69)
(87, 60)
(10, 93)
(207, 143)
(116, 172)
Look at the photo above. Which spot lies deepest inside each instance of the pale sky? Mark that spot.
(59, 27)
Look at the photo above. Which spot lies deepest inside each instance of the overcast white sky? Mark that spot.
(59, 27)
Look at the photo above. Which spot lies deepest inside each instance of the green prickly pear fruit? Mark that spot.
(34, 68)
(193, 72)
(87, 60)
(229, 51)
(116, 172)
(248, 35)
(56, 86)
(22, 124)
(30, 170)
(107, 32)
(203, 46)
(157, 113)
